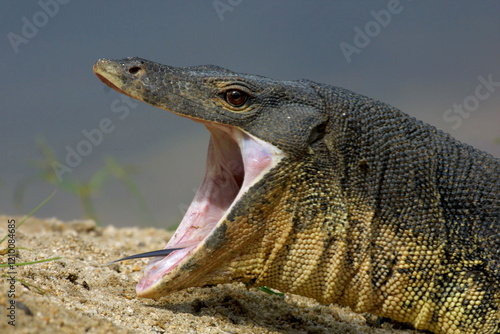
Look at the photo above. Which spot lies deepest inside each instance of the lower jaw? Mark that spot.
(159, 267)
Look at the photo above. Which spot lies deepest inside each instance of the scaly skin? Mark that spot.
(367, 208)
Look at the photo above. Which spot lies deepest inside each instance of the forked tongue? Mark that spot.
(160, 252)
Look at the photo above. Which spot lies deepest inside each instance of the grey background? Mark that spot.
(426, 59)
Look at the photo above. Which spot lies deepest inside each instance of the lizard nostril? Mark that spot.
(134, 70)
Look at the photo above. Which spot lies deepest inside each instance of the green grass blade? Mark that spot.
(41, 291)
(31, 262)
(30, 214)
(269, 291)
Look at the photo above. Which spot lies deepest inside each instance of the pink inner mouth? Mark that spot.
(235, 161)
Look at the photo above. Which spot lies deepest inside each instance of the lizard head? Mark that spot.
(263, 133)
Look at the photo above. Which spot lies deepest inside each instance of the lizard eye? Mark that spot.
(236, 98)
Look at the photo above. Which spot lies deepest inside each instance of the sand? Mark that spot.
(83, 296)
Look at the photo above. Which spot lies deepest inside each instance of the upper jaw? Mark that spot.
(236, 161)
(167, 87)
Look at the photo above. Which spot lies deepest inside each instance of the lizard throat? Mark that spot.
(235, 161)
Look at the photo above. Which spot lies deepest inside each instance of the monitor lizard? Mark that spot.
(318, 191)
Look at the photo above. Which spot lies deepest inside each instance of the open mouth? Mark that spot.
(236, 161)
